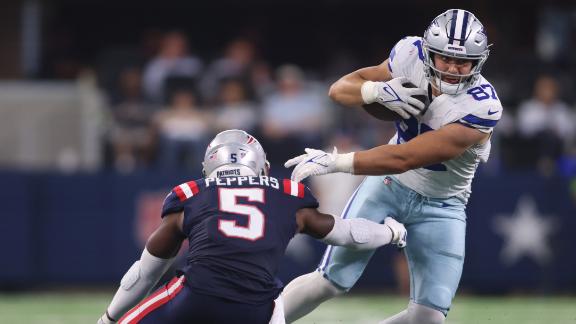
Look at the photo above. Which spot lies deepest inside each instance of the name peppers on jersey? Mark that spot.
(478, 107)
(179, 194)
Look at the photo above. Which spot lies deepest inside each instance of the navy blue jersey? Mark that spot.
(238, 229)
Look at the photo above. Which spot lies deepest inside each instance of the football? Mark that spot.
(378, 111)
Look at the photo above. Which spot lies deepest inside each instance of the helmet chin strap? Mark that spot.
(448, 88)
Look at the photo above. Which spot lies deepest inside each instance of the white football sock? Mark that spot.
(303, 294)
(400, 318)
(416, 314)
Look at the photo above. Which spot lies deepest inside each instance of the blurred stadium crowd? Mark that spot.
(164, 111)
(174, 88)
(166, 97)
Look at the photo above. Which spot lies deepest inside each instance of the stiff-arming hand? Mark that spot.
(318, 162)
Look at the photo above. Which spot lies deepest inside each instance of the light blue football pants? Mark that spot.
(435, 244)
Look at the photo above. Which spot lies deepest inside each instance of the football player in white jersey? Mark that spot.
(423, 176)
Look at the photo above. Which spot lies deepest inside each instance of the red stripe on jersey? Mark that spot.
(287, 186)
(193, 186)
(181, 195)
(300, 190)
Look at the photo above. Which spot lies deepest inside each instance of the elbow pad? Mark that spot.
(138, 282)
(358, 234)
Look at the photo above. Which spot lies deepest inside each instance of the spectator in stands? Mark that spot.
(130, 135)
(173, 59)
(261, 80)
(234, 109)
(183, 131)
(545, 123)
(238, 60)
(295, 116)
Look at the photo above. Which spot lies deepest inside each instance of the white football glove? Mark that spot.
(399, 233)
(394, 96)
(318, 162)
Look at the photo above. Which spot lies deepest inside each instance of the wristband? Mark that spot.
(345, 163)
(369, 92)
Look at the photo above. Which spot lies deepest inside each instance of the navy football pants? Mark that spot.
(176, 303)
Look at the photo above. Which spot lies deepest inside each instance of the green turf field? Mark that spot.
(75, 308)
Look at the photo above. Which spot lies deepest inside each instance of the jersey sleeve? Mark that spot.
(172, 204)
(404, 55)
(302, 194)
(484, 116)
(177, 198)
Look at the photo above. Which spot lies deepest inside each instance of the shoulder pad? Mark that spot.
(177, 197)
(478, 107)
(188, 189)
(404, 54)
(299, 190)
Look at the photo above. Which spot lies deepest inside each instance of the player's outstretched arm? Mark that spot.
(161, 248)
(357, 233)
(426, 149)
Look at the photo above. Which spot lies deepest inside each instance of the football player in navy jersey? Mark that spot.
(238, 221)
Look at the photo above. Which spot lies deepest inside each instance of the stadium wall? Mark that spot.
(89, 228)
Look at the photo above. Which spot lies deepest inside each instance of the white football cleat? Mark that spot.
(399, 232)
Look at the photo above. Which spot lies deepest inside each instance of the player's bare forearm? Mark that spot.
(314, 223)
(426, 149)
(346, 90)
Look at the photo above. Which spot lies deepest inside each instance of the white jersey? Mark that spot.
(478, 108)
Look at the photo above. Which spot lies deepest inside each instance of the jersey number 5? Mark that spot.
(228, 203)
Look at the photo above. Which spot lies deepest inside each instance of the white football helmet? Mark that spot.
(455, 33)
(234, 153)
